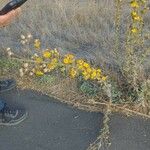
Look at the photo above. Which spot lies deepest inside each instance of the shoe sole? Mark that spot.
(15, 123)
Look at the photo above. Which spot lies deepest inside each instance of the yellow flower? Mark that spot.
(79, 62)
(89, 70)
(66, 61)
(39, 73)
(51, 66)
(94, 74)
(134, 4)
(99, 70)
(70, 56)
(134, 30)
(104, 78)
(135, 16)
(73, 73)
(37, 43)
(38, 60)
(86, 65)
(98, 76)
(69, 59)
(47, 54)
(80, 67)
(134, 13)
(86, 75)
(54, 61)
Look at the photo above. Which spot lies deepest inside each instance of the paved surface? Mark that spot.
(50, 125)
(129, 133)
(55, 126)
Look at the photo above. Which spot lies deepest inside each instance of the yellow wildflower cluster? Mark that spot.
(138, 9)
(81, 67)
(89, 72)
(68, 59)
(42, 62)
(48, 60)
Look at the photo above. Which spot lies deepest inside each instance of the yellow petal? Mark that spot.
(86, 65)
(73, 73)
(38, 60)
(46, 54)
(134, 30)
(39, 73)
(104, 78)
(66, 61)
(134, 4)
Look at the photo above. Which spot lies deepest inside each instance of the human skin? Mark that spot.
(9, 17)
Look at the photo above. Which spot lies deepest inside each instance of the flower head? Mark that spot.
(68, 59)
(38, 60)
(47, 54)
(134, 4)
(39, 73)
(104, 78)
(73, 73)
(134, 30)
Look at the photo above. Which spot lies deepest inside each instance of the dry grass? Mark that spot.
(83, 27)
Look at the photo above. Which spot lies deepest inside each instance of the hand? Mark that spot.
(9, 17)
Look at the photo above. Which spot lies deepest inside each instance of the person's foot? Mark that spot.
(6, 85)
(10, 117)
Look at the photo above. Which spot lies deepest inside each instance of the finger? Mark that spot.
(6, 19)
(9, 15)
(12, 14)
(17, 11)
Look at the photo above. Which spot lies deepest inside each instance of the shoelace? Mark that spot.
(10, 113)
(3, 83)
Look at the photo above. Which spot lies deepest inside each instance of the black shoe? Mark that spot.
(6, 85)
(9, 117)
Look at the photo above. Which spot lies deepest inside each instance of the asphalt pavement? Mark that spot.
(52, 125)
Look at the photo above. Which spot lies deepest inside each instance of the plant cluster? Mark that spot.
(136, 53)
(44, 62)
